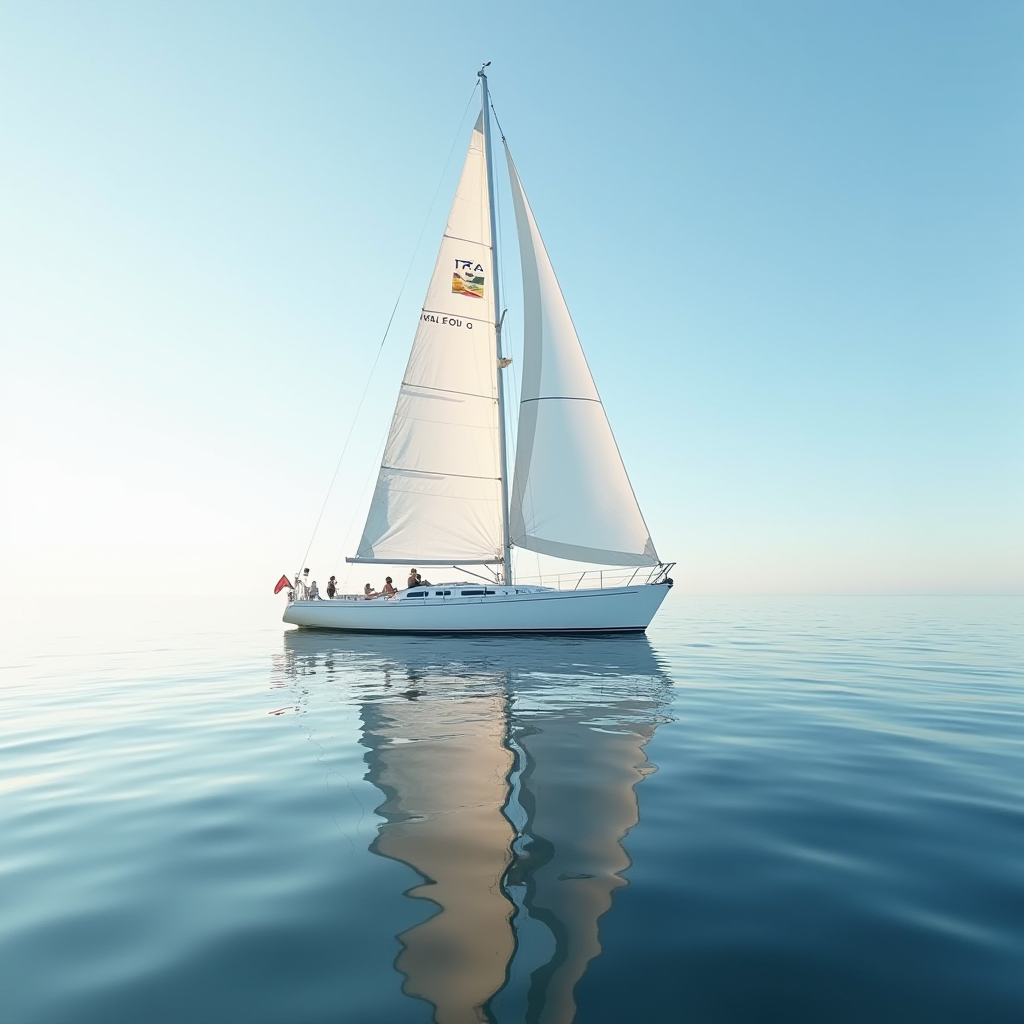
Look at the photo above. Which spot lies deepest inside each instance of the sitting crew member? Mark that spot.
(388, 590)
(332, 588)
(421, 582)
(314, 594)
(368, 592)
(413, 579)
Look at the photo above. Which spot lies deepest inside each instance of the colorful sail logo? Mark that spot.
(468, 279)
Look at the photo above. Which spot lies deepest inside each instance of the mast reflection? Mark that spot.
(508, 767)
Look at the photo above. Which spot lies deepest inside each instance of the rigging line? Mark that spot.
(391, 319)
(462, 568)
(501, 131)
(499, 243)
(514, 435)
(511, 407)
(528, 496)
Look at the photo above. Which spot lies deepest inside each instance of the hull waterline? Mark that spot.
(610, 610)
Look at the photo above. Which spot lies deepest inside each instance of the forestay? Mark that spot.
(571, 497)
(438, 494)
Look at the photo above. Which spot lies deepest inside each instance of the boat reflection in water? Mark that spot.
(509, 768)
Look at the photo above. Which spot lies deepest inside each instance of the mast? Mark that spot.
(506, 544)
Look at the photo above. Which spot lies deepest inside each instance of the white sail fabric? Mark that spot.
(571, 497)
(438, 495)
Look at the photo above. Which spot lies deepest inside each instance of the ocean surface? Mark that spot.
(792, 810)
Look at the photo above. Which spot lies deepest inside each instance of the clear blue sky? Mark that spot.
(791, 234)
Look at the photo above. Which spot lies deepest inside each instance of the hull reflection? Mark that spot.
(443, 765)
(509, 769)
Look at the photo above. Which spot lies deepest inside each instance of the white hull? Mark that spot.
(508, 610)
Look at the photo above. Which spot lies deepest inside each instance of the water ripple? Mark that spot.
(770, 810)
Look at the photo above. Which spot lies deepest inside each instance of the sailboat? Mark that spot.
(442, 496)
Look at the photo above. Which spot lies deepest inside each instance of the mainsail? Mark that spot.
(438, 498)
(571, 497)
(438, 494)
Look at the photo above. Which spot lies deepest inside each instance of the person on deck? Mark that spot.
(332, 588)
(421, 582)
(369, 593)
(388, 589)
(413, 579)
(314, 594)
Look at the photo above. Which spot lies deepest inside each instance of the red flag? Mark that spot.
(282, 583)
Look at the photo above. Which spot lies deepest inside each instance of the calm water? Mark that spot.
(767, 810)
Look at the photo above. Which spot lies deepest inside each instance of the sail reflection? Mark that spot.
(508, 767)
(443, 766)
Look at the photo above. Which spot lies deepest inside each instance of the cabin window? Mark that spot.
(442, 593)
(472, 593)
(418, 593)
(489, 593)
